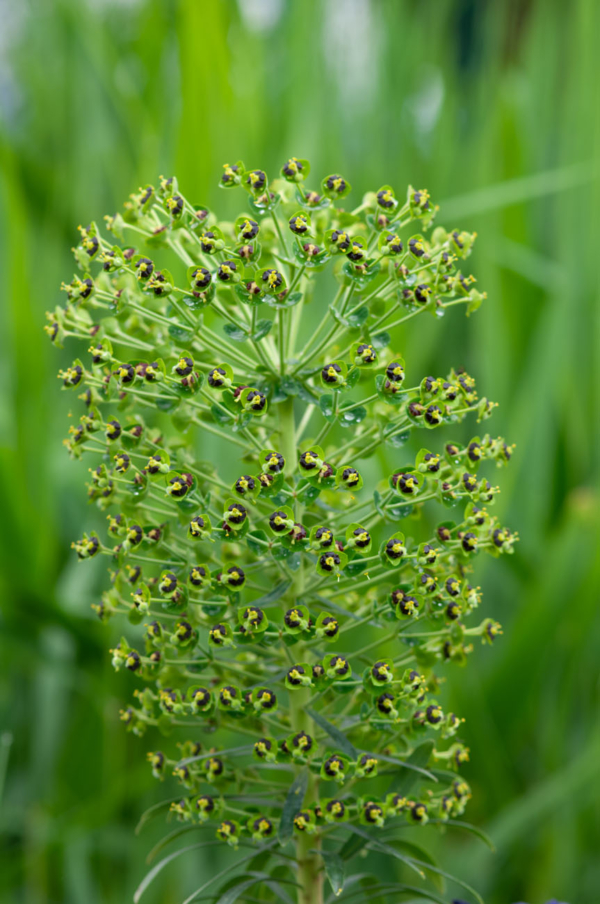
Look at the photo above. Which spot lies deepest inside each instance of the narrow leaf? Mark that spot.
(255, 801)
(352, 880)
(293, 802)
(406, 763)
(149, 814)
(441, 872)
(419, 853)
(224, 872)
(335, 870)
(351, 847)
(232, 894)
(335, 734)
(149, 877)
(273, 595)
(227, 751)
(333, 607)
(387, 849)
(164, 842)
(468, 827)
(515, 191)
(372, 892)
(402, 783)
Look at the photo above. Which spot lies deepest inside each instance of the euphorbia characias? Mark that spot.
(284, 631)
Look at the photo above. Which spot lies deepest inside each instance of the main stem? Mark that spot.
(310, 875)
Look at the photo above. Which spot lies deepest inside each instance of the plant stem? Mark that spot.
(296, 278)
(304, 421)
(279, 233)
(319, 328)
(309, 863)
(281, 341)
(366, 401)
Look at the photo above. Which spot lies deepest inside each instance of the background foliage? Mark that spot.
(491, 105)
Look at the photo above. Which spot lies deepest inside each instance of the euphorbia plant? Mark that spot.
(284, 628)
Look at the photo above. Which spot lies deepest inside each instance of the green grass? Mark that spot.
(492, 106)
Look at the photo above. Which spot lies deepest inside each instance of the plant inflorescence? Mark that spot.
(282, 625)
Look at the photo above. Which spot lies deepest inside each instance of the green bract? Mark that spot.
(282, 595)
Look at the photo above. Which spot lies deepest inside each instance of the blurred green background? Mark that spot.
(493, 106)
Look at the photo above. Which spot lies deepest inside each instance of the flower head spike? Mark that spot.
(243, 378)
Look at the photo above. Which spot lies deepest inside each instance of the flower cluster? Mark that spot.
(248, 599)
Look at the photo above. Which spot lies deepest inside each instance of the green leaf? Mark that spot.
(355, 567)
(232, 894)
(404, 781)
(335, 734)
(195, 304)
(335, 869)
(262, 328)
(441, 872)
(294, 561)
(220, 416)
(303, 392)
(416, 851)
(273, 595)
(514, 191)
(176, 833)
(352, 846)
(326, 406)
(386, 849)
(389, 888)
(308, 494)
(370, 888)
(251, 543)
(468, 827)
(235, 332)
(381, 340)
(257, 864)
(291, 387)
(398, 512)
(149, 814)
(180, 334)
(353, 377)
(288, 302)
(181, 420)
(227, 751)
(293, 802)
(149, 877)
(357, 319)
(281, 552)
(223, 872)
(354, 416)
(398, 439)
(414, 767)
(254, 800)
(333, 607)
(165, 404)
